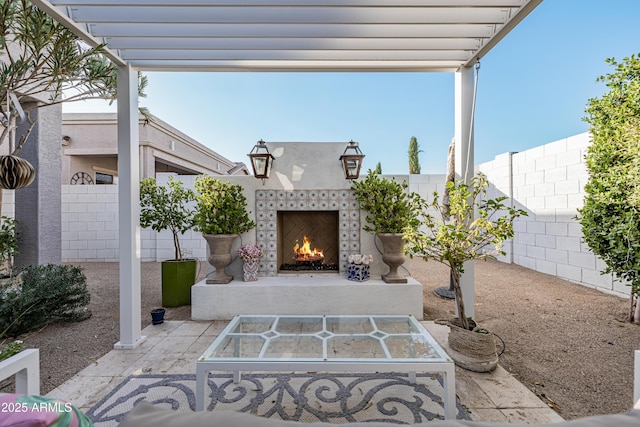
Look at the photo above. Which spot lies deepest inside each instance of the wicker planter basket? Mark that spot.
(472, 350)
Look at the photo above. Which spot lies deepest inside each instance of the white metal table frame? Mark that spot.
(437, 361)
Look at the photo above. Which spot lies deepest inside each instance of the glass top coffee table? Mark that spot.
(330, 343)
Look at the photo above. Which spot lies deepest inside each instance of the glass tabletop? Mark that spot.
(325, 338)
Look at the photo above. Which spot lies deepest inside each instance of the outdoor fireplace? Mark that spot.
(319, 252)
(329, 218)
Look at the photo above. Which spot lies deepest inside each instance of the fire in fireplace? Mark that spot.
(308, 241)
(305, 253)
(305, 258)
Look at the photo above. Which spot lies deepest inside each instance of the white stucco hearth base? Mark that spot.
(310, 294)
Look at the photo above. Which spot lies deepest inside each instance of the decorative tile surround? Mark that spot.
(269, 202)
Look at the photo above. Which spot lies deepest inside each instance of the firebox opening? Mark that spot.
(308, 241)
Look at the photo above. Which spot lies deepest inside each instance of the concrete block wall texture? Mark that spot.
(89, 223)
(547, 182)
(90, 229)
(8, 203)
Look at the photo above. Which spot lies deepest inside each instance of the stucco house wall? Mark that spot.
(89, 146)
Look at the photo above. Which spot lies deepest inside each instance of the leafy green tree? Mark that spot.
(42, 63)
(610, 217)
(389, 207)
(414, 161)
(463, 236)
(378, 169)
(166, 208)
(221, 207)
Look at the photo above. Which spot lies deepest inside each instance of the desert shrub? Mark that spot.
(11, 348)
(43, 294)
(8, 244)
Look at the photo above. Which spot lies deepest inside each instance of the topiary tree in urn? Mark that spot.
(390, 210)
(221, 215)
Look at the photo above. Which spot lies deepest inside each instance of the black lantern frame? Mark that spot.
(352, 160)
(261, 160)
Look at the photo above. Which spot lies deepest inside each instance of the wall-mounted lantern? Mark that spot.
(352, 160)
(261, 160)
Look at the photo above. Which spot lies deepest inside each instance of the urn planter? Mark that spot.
(393, 256)
(220, 256)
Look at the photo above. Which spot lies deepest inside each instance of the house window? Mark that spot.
(103, 178)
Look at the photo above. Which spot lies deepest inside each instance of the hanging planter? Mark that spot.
(15, 172)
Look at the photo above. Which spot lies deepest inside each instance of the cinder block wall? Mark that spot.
(8, 203)
(89, 223)
(548, 182)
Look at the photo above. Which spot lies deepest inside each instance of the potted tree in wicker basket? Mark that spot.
(462, 237)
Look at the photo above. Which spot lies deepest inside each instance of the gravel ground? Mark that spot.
(567, 343)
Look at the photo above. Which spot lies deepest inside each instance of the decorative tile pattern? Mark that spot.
(268, 202)
(358, 272)
(339, 398)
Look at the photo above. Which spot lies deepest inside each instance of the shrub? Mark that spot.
(221, 207)
(8, 244)
(610, 217)
(43, 294)
(10, 349)
(390, 209)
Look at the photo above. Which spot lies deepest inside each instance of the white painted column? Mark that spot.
(636, 379)
(129, 209)
(464, 81)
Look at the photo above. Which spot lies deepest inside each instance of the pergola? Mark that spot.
(279, 35)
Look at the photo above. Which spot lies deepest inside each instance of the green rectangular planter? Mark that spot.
(177, 279)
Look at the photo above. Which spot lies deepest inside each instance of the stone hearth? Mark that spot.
(305, 294)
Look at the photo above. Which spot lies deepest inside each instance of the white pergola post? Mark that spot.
(464, 168)
(636, 380)
(129, 209)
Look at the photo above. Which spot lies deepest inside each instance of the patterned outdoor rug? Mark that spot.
(307, 397)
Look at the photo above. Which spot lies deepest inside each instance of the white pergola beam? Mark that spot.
(503, 30)
(76, 29)
(291, 15)
(301, 43)
(375, 31)
(307, 3)
(299, 66)
(295, 55)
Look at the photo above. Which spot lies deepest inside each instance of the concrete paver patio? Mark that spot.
(174, 346)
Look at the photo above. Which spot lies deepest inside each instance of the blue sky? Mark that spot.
(533, 88)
